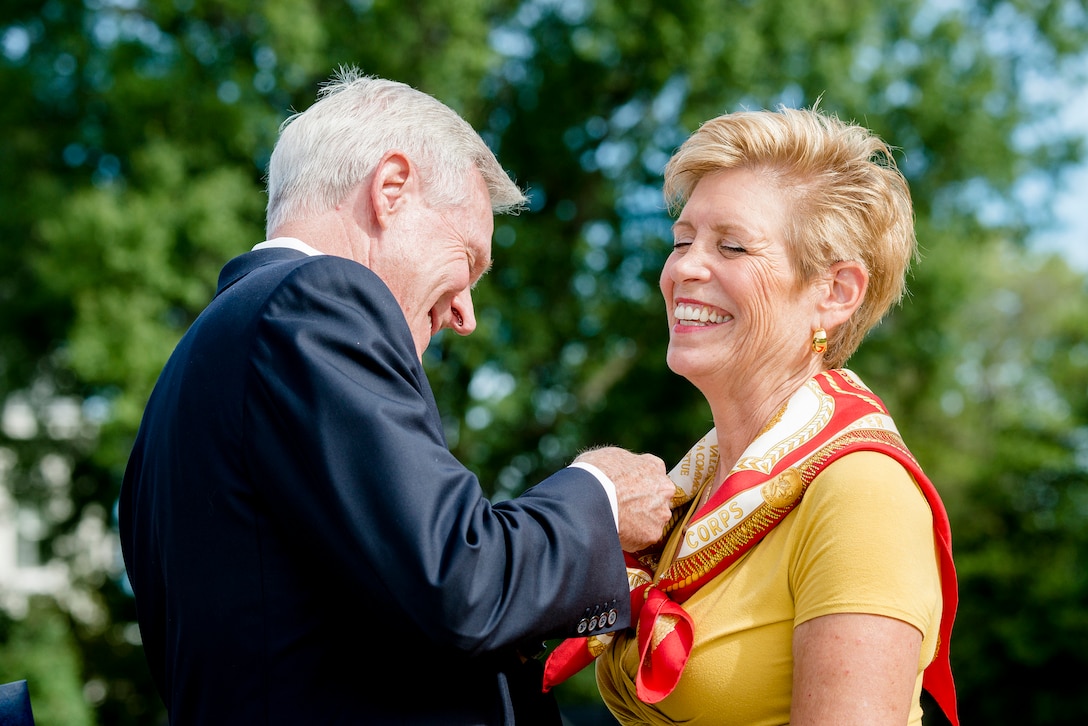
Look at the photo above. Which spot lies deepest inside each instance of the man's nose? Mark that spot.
(462, 314)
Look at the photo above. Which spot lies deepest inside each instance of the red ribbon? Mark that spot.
(661, 663)
(569, 657)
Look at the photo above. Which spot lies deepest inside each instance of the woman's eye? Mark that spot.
(681, 243)
(731, 249)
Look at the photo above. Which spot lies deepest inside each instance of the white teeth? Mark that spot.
(691, 313)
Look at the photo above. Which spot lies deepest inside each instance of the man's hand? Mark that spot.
(643, 493)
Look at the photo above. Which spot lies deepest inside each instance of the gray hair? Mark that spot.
(324, 152)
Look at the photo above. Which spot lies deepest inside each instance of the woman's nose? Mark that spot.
(690, 265)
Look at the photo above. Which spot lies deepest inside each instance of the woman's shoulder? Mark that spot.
(866, 477)
(863, 542)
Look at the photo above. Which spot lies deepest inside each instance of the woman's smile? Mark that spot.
(696, 315)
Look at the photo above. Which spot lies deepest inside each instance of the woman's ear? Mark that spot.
(844, 292)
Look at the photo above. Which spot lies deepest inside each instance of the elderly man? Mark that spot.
(303, 547)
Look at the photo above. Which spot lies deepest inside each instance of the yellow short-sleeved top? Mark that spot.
(860, 541)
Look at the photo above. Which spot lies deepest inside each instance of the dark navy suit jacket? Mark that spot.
(304, 548)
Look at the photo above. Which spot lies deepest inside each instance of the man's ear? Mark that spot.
(393, 180)
(847, 282)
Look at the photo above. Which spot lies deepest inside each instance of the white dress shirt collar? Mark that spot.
(288, 242)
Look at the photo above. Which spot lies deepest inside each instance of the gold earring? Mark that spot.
(819, 341)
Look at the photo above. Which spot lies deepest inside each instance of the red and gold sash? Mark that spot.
(832, 415)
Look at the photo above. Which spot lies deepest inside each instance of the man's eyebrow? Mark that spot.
(486, 269)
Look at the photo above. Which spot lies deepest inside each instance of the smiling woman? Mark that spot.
(799, 581)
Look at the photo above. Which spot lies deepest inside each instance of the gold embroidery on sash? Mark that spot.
(636, 577)
(814, 463)
(860, 390)
(690, 568)
(648, 560)
(774, 420)
(698, 465)
(598, 645)
(664, 624)
(795, 480)
(824, 411)
(784, 489)
(679, 496)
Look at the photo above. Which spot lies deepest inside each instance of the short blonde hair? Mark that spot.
(848, 197)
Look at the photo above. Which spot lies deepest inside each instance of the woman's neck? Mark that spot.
(742, 412)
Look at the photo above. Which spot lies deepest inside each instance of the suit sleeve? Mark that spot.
(359, 470)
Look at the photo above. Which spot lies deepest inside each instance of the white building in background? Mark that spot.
(23, 572)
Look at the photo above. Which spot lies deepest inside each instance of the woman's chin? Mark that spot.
(687, 363)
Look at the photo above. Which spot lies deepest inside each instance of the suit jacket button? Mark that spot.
(582, 625)
(612, 615)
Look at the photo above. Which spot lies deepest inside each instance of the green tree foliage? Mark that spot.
(39, 649)
(135, 139)
(1018, 441)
